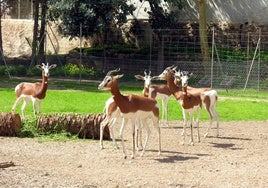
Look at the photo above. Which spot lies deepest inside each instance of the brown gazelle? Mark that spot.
(132, 107)
(189, 103)
(208, 96)
(156, 91)
(34, 92)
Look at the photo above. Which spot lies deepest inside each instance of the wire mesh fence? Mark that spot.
(238, 58)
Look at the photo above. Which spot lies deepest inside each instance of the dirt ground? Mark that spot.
(238, 158)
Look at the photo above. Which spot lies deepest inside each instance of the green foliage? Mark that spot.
(69, 70)
(162, 17)
(95, 16)
(19, 70)
(33, 72)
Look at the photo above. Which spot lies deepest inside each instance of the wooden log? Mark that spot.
(10, 124)
(85, 126)
(6, 164)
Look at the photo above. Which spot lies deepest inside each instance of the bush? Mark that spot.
(19, 70)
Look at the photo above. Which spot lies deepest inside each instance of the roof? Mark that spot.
(230, 11)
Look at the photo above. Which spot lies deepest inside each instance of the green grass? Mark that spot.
(234, 105)
(86, 98)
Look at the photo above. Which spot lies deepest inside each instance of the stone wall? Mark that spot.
(18, 34)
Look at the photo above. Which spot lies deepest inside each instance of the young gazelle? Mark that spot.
(34, 92)
(188, 103)
(159, 91)
(132, 107)
(112, 117)
(208, 96)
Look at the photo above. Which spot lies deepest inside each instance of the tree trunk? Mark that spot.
(203, 36)
(35, 33)
(42, 38)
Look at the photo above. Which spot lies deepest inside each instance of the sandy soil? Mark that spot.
(238, 158)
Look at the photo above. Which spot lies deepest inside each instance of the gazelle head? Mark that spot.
(183, 76)
(171, 69)
(147, 78)
(109, 79)
(45, 68)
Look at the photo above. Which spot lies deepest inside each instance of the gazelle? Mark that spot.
(132, 107)
(189, 103)
(159, 91)
(34, 92)
(208, 96)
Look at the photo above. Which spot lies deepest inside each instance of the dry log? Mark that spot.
(10, 124)
(85, 126)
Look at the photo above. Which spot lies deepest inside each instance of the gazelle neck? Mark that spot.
(114, 89)
(42, 92)
(174, 89)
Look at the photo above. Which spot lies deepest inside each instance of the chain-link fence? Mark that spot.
(238, 58)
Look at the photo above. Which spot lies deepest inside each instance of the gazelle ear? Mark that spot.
(52, 66)
(155, 78)
(139, 77)
(39, 67)
(174, 68)
(118, 76)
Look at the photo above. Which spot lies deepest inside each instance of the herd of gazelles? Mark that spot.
(136, 109)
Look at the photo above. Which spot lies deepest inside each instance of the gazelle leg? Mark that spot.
(122, 137)
(16, 103)
(133, 139)
(34, 105)
(165, 111)
(191, 127)
(139, 135)
(197, 123)
(148, 132)
(38, 107)
(102, 125)
(111, 128)
(217, 119)
(210, 123)
(183, 133)
(156, 124)
(24, 106)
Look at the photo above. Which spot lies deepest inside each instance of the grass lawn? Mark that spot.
(86, 98)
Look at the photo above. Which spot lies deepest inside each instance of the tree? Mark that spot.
(94, 16)
(42, 38)
(161, 18)
(203, 35)
(35, 32)
(39, 33)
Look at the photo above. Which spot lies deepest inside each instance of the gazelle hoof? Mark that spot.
(140, 148)
(191, 143)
